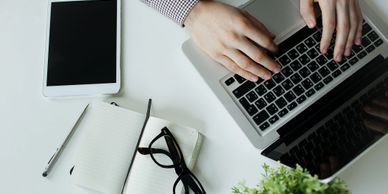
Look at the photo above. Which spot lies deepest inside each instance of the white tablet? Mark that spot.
(82, 48)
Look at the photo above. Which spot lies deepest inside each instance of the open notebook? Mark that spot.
(108, 151)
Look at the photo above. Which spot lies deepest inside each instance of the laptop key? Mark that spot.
(332, 65)
(321, 60)
(310, 42)
(345, 67)
(324, 71)
(379, 42)
(304, 59)
(313, 66)
(284, 60)
(278, 90)
(251, 110)
(269, 84)
(272, 109)
(365, 41)
(243, 89)
(353, 61)
(269, 97)
(373, 36)
(239, 78)
(260, 90)
(295, 65)
(317, 36)
(283, 112)
(287, 71)
(328, 79)
(264, 126)
(304, 72)
(251, 96)
(357, 48)
(287, 84)
(319, 86)
(281, 102)
(292, 105)
(290, 96)
(362, 54)
(295, 78)
(310, 92)
(370, 48)
(273, 119)
(301, 48)
(293, 54)
(336, 73)
(366, 28)
(307, 84)
(261, 117)
(301, 99)
(315, 77)
(229, 81)
(298, 90)
(278, 77)
(312, 53)
(261, 103)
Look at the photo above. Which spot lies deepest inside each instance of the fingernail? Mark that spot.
(358, 42)
(276, 70)
(338, 58)
(254, 79)
(267, 76)
(324, 50)
(310, 23)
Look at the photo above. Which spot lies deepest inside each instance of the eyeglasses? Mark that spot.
(173, 158)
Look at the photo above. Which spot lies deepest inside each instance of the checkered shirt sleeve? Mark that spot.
(177, 10)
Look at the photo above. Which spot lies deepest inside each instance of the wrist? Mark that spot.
(194, 13)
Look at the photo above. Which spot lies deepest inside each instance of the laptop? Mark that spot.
(313, 112)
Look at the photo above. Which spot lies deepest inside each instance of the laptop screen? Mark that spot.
(338, 127)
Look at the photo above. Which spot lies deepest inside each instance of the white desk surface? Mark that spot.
(153, 65)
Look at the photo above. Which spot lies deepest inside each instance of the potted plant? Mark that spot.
(284, 180)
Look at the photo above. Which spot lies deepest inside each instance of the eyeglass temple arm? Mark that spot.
(147, 151)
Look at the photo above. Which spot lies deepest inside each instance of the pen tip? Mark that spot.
(44, 174)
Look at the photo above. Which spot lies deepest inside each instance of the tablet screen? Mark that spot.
(82, 43)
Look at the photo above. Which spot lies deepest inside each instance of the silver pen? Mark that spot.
(59, 150)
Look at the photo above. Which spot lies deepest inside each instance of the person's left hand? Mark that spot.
(344, 16)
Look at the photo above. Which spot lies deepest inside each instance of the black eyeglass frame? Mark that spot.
(188, 179)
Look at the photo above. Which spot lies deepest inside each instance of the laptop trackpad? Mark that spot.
(279, 16)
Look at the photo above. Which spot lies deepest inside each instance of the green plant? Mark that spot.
(283, 180)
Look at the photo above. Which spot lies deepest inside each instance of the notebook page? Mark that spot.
(147, 177)
(110, 135)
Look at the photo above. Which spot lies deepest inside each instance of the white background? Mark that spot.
(153, 66)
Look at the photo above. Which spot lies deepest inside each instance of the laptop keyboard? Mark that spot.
(305, 71)
(337, 137)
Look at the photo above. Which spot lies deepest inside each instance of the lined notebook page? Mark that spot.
(110, 135)
(147, 177)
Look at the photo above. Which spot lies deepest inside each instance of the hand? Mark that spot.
(377, 111)
(233, 38)
(344, 16)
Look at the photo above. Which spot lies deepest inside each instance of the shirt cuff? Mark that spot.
(177, 10)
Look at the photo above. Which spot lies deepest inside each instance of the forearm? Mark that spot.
(177, 10)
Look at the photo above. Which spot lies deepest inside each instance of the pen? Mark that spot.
(59, 150)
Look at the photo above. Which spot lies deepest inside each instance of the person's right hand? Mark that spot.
(233, 38)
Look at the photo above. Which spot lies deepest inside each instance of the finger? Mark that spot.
(307, 12)
(248, 64)
(233, 67)
(382, 102)
(354, 22)
(260, 36)
(343, 26)
(358, 38)
(328, 22)
(257, 55)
